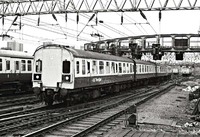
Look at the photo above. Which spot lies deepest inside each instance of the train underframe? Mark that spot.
(85, 94)
(13, 83)
(15, 87)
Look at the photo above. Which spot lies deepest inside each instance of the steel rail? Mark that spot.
(85, 115)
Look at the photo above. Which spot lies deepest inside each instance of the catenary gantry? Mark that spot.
(34, 7)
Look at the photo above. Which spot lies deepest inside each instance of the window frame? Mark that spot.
(101, 65)
(66, 70)
(8, 63)
(38, 66)
(1, 64)
(29, 65)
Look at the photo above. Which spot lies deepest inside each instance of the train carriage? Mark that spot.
(15, 71)
(186, 71)
(62, 73)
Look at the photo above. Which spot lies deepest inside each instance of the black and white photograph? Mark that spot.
(99, 68)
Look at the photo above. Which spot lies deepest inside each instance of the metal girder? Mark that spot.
(34, 7)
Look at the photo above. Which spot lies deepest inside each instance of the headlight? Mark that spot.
(37, 76)
(66, 78)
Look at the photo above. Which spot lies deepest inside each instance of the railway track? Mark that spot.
(21, 111)
(85, 123)
(15, 104)
(13, 121)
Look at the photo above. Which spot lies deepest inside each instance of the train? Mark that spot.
(175, 71)
(15, 72)
(186, 71)
(65, 74)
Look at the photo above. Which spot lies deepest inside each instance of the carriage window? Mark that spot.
(131, 68)
(1, 65)
(101, 67)
(7, 64)
(107, 67)
(120, 67)
(88, 67)
(140, 68)
(16, 65)
(38, 66)
(66, 66)
(77, 67)
(117, 69)
(128, 69)
(29, 65)
(23, 65)
(113, 67)
(137, 68)
(159, 69)
(83, 67)
(124, 68)
(94, 67)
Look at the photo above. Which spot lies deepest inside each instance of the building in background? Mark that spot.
(16, 46)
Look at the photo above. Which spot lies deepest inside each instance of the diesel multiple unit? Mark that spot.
(61, 73)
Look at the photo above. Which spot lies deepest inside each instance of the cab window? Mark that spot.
(66, 66)
(38, 65)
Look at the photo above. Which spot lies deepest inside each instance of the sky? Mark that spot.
(75, 33)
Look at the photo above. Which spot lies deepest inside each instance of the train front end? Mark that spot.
(52, 73)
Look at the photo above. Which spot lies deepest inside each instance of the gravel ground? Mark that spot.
(170, 112)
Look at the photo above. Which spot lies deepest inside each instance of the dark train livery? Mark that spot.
(66, 74)
(15, 71)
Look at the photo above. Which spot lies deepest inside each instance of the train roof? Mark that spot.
(93, 55)
(15, 54)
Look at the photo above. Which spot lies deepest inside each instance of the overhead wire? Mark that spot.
(93, 28)
(133, 20)
(104, 25)
(136, 24)
(47, 24)
(51, 29)
(109, 27)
